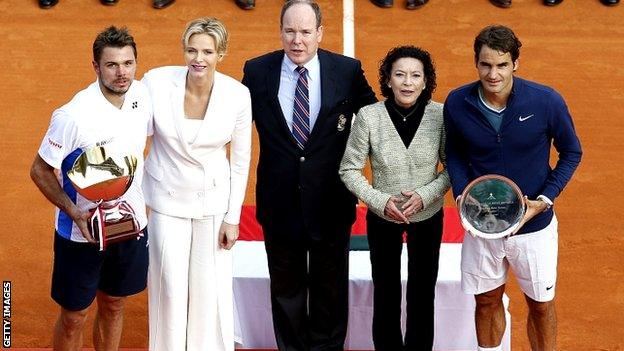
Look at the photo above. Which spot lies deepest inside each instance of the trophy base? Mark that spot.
(113, 224)
(121, 230)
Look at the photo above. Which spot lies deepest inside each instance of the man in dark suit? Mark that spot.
(303, 100)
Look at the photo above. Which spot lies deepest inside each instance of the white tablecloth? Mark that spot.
(454, 310)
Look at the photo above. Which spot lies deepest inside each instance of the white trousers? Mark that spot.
(189, 285)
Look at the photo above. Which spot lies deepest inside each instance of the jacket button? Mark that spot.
(301, 159)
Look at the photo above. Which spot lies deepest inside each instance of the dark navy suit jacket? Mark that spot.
(300, 191)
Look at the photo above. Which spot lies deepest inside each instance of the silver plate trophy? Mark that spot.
(491, 207)
(103, 179)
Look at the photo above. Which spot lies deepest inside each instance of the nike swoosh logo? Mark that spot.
(550, 287)
(522, 119)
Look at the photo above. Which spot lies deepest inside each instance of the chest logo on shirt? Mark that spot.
(104, 142)
(522, 119)
(135, 104)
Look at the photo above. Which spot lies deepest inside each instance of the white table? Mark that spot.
(454, 310)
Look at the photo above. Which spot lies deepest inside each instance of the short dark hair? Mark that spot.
(315, 7)
(399, 52)
(112, 37)
(499, 38)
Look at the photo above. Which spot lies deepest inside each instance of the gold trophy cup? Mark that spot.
(103, 179)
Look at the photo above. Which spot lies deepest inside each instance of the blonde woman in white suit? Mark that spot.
(404, 139)
(195, 193)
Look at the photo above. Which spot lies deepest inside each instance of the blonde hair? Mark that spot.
(210, 26)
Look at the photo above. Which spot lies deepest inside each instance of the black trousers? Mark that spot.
(423, 247)
(309, 289)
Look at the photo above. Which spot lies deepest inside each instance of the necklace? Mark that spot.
(402, 115)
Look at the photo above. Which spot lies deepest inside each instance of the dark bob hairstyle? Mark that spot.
(399, 52)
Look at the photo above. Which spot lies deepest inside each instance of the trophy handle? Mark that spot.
(96, 226)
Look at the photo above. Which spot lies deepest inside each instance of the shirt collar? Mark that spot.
(485, 103)
(313, 66)
(97, 90)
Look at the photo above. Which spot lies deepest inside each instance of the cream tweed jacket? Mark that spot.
(396, 168)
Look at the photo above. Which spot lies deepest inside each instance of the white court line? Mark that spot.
(348, 28)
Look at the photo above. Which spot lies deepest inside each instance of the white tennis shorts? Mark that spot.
(532, 256)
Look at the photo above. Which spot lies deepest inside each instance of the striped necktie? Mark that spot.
(301, 110)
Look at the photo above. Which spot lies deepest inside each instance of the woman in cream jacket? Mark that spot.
(404, 139)
(195, 193)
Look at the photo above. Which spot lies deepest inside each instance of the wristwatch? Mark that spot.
(545, 200)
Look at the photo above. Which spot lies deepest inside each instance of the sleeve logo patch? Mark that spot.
(55, 144)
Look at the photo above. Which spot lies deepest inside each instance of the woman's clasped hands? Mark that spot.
(402, 206)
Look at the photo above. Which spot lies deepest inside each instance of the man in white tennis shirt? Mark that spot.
(113, 112)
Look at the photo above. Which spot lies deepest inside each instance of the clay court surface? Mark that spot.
(577, 47)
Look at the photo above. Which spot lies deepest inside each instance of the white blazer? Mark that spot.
(197, 180)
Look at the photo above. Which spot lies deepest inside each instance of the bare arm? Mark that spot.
(43, 176)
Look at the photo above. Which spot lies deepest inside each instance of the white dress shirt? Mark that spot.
(288, 84)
